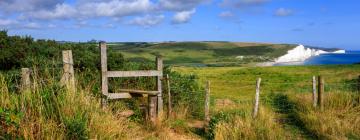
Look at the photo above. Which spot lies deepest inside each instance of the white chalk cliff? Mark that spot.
(301, 53)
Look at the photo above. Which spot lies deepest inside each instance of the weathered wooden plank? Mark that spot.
(104, 78)
(257, 95)
(159, 64)
(25, 79)
(124, 95)
(140, 91)
(314, 91)
(140, 73)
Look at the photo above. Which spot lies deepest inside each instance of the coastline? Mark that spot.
(298, 56)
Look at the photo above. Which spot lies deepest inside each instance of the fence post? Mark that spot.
(104, 78)
(314, 91)
(68, 78)
(320, 92)
(358, 89)
(256, 105)
(207, 106)
(169, 95)
(25, 79)
(358, 85)
(152, 108)
(159, 64)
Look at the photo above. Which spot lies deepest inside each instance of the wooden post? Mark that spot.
(104, 78)
(358, 88)
(169, 95)
(207, 106)
(25, 80)
(320, 92)
(152, 108)
(358, 85)
(256, 104)
(314, 91)
(68, 78)
(159, 64)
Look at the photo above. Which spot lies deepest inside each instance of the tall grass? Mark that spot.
(49, 111)
(243, 126)
(338, 120)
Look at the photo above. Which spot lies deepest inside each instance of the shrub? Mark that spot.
(76, 127)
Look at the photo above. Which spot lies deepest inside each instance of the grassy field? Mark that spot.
(203, 53)
(239, 82)
(286, 101)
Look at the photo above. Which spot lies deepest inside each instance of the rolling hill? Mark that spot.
(203, 53)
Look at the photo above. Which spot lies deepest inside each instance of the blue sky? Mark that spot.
(323, 23)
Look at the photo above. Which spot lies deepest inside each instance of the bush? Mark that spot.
(76, 127)
(186, 91)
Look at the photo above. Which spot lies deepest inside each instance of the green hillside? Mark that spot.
(203, 53)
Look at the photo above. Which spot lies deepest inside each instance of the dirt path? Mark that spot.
(287, 117)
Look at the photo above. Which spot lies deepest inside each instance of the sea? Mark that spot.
(350, 57)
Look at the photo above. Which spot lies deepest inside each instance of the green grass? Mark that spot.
(286, 101)
(239, 82)
(205, 53)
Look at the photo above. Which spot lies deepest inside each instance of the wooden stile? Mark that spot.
(257, 95)
(155, 101)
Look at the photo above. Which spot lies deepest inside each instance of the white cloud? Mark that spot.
(61, 11)
(226, 14)
(32, 25)
(92, 9)
(243, 3)
(115, 8)
(52, 26)
(108, 25)
(27, 5)
(147, 21)
(7, 22)
(180, 5)
(42, 11)
(283, 12)
(183, 16)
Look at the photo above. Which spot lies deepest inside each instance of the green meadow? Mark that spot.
(286, 110)
(239, 82)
